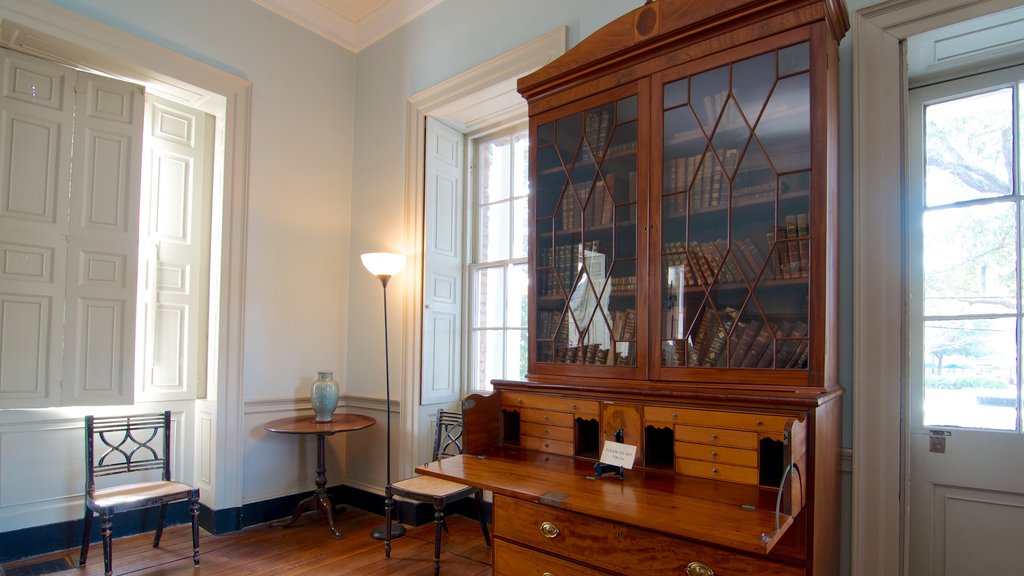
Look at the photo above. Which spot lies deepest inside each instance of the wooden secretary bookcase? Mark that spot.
(683, 298)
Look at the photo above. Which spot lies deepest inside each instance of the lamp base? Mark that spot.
(381, 532)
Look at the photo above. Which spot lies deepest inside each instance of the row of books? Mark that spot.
(750, 344)
(793, 254)
(623, 285)
(551, 325)
(700, 262)
(588, 354)
(565, 260)
(601, 198)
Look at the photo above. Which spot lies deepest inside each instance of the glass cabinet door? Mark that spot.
(735, 215)
(585, 264)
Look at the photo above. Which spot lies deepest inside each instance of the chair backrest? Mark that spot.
(448, 436)
(126, 444)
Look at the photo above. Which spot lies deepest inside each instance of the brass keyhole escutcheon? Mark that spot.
(699, 569)
(549, 530)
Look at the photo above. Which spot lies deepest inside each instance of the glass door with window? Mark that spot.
(966, 455)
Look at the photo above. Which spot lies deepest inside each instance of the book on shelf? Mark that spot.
(761, 344)
(793, 247)
(803, 232)
(788, 347)
(745, 341)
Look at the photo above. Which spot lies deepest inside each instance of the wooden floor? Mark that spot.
(307, 547)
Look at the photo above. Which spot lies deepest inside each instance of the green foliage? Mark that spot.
(954, 382)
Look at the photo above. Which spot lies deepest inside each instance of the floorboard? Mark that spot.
(306, 548)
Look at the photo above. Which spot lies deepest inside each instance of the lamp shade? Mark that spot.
(383, 263)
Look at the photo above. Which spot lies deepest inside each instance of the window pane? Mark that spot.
(488, 357)
(968, 148)
(970, 373)
(495, 167)
(494, 232)
(490, 286)
(521, 165)
(515, 360)
(518, 283)
(521, 227)
(970, 260)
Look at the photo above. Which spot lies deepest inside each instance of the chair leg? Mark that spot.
(438, 523)
(107, 531)
(389, 503)
(194, 511)
(479, 497)
(86, 533)
(160, 525)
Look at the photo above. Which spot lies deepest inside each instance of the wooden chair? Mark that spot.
(131, 445)
(447, 442)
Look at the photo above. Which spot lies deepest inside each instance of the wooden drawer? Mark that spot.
(717, 471)
(717, 437)
(546, 445)
(542, 431)
(554, 403)
(546, 418)
(734, 420)
(723, 454)
(662, 413)
(512, 560)
(619, 548)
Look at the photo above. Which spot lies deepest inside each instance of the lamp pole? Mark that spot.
(384, 266)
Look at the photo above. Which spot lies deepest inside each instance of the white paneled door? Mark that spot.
(965, 468)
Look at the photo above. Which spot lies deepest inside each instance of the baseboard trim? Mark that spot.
(37, 540)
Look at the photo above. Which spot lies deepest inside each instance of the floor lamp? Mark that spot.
(384, 265)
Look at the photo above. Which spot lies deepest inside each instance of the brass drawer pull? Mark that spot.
(699, 569)
(549, 530)
(714, 455)
(714, 471)
(547, 574)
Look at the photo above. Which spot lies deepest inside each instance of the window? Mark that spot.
(966, 233)
(498, 271)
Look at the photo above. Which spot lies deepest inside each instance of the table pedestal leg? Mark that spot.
(319, 499)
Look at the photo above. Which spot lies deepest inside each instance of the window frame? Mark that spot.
(510, 131)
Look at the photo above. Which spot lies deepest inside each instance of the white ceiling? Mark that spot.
(352, 24)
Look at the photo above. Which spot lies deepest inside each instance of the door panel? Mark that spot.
(965, 460)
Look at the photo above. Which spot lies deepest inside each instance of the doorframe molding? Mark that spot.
(879, 527)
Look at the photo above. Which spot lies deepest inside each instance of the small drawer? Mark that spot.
(717, 437)
(546, 418)
(722, 454)
(555, 403)
(546, 445)
(716, 471)
(734, 420)
(512, 560)
(662, 413)
(542, 431)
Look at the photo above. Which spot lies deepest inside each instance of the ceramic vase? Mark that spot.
(324, 396)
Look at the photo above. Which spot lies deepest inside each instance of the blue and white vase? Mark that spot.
(324, 396)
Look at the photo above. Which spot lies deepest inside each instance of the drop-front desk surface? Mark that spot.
(722, 514)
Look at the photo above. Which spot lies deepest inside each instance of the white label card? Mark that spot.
(618, 454)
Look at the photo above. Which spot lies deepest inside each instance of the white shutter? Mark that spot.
(442, 264)
(99, 345)
(36, 119)
(174, 263)
(70, 152)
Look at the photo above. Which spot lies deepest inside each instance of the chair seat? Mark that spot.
(136, 495)
(418, 487)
